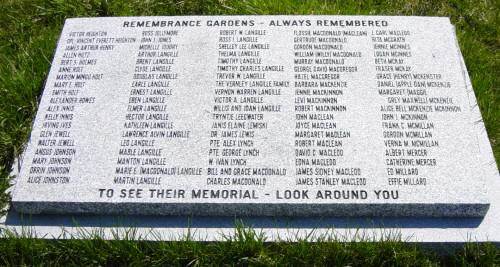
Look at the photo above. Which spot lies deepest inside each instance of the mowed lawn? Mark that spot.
(28, 35)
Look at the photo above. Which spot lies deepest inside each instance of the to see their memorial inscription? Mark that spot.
(255, 115)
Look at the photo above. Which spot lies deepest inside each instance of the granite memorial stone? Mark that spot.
(255, 115)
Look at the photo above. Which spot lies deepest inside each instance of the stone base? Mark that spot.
(235, 209)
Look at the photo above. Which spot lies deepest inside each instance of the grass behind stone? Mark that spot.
(28, 36)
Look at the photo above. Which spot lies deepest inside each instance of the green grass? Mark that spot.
(245, 247)
(28, 35)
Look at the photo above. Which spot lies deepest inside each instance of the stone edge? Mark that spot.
(252, 209)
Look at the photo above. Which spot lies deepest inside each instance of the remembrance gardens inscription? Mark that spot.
(255, 115)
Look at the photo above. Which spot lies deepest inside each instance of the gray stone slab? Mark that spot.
(257, 115)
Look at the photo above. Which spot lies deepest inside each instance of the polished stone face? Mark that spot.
(256, 115)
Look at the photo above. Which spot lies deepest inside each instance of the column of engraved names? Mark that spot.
(148, 120)
(247, 93)
(322, 61)
(56, 148)
(406, 117)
